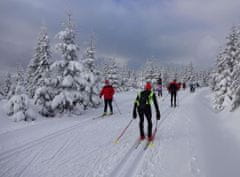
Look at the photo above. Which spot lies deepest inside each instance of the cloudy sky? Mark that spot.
(177, 31)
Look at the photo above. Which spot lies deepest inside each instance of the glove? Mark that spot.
(158, 116)
(134, 115)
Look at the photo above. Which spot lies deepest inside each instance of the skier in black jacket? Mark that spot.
(173, 87)
(143, 106)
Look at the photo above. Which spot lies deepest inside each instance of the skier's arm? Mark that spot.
(102, 92)
(156, 106)
(135, 108)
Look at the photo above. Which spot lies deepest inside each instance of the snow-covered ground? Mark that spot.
(192, 140)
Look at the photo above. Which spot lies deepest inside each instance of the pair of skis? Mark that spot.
(148, 144)
(102, 116)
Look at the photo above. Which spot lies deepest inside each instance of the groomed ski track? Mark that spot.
(133, 159)
(184, 145)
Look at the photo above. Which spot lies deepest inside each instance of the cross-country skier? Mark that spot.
(159, 87)
(173, 87)
(184, 85)
(143, 106)
(107, 92)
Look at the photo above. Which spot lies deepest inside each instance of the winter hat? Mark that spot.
(106, 81)
(148, 86)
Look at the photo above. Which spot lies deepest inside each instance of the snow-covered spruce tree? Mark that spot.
(151, 72)
(39, 64)
(234, 91)
(44, 95)
(165, 76)
(125, 78)
(18, 104)
(212, 80)
(231, 58)
(224, 77)
(189, 75)
(6, 86)
(220, 88)
(133, 80)
(92, 74)
(202, 78)
(111, 73)
(71, 82)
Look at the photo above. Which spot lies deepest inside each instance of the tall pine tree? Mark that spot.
(71, 82)
(39, 65)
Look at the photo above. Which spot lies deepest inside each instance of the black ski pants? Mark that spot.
(148, 114)
(108, 102)
(173, 98)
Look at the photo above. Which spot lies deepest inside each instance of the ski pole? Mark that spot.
(122, 133)
(155, 130)
(117, 107)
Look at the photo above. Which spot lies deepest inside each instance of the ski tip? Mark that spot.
(116, 142)
(151, 144)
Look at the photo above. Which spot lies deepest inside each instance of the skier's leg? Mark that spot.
(105, 105)
(175, 95)
(141, 123)
(171, 99)
(148, 114)
(110, 106)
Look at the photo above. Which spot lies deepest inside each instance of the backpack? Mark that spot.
(144, 99)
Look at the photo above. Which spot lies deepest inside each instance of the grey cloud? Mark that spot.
(170, 30)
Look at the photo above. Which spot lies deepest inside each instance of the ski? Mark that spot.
(102, 116)
(137, 144)
(98, 117)
(149, 143)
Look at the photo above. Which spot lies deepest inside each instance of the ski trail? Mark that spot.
(12, 152)
(133, 159)
(129, 166)
(119, 168)
(59, 151)
(35, 157)
(136, 163)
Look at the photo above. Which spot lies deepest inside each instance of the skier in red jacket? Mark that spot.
(173, 87)
(107, 92)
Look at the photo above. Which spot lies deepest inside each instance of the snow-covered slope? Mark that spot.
(192, 140)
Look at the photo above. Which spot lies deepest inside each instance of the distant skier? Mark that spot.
(184, 86)
(159, 87)
(142, 105)
(173, 87)
(107, 92)
(192, 87)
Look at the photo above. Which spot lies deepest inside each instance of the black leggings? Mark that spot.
(106, 103)
(173, 98)
(148, 115)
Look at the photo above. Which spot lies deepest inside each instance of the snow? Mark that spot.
(192, 140)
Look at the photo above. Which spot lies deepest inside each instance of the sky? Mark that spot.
(170, 31)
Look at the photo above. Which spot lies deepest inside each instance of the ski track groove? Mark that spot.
(31, 144)
(123, 162)
(194, 166)
(22, 159)
(60, 150)
(75, 157)
(35, 158)
(138, 159)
